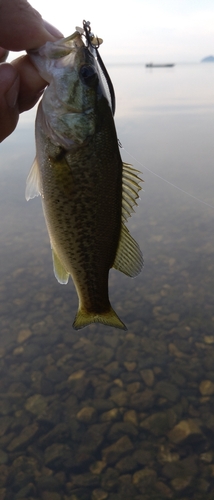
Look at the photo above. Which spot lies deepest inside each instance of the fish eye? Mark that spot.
(88, 75)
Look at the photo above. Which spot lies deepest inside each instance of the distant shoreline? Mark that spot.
(140, 63)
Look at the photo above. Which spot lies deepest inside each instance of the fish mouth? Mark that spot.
(83, 111)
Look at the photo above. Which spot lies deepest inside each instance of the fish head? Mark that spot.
(69, 101)
(55, 55)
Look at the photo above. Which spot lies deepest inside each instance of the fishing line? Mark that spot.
(94, 43)
(168, 182)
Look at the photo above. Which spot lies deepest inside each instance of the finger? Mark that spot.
(9, 110)
(28, 31)
(31, 83)
(52, 30)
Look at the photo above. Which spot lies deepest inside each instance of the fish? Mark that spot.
(87, 192)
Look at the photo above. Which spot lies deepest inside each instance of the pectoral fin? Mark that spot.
(59, 271)
(33, 182)
(129, 258)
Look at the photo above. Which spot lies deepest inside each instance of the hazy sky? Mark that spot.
(140, 30)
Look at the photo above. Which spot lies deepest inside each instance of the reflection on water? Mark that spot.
(102, 414)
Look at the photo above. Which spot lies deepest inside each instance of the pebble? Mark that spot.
(130, 366)
(86, 479)
(112, 453)
(131, 416)
(56, 455)
(109, 479)
(99, 494)
(174, 351)
(167, 390)
(36, 404)
(165, 455)
(185, 429)
(143, 456)
(144, 477)
(93, 438)
(142, 401)
(86, 415)
(5, 423)
(181, 483)
(120, 398)
(207, 457)
(24, 335)
(118, 382)
(113, 368)
(18, 351)
(3, 457)
(211, 469)
(134, 387)
(119, 429)
(28, 433)
(164, 490)
(76, 375)
(206, 388)
(47, 481)
(111, 415)
(97, 467)
(148, 377)
(209, 339)
(157, 424)
(46, 495)
(126, 464)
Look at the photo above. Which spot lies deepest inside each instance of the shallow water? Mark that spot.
(102, 413)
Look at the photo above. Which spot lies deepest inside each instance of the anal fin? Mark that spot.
(129, 258)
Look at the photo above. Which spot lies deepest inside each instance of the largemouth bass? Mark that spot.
(87, 192)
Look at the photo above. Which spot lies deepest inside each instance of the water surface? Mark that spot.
(102, 413)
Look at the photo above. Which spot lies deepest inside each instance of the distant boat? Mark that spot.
(151, 65)
(208, 59)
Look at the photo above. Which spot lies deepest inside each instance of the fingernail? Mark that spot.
(11, 95)
(52, 30)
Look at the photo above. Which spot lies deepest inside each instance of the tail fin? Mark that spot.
(108, 318)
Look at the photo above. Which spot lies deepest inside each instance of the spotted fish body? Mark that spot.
(87, 193)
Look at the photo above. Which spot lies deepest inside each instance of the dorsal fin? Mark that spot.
(130, 189)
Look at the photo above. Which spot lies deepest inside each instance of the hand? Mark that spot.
(21, 28)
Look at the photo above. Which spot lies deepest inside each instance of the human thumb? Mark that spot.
(9, 111)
